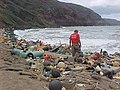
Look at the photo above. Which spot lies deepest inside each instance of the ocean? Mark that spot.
(93, 38)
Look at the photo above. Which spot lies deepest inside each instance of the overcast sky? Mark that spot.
(106, 8)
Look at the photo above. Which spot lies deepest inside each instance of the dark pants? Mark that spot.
(75, 50)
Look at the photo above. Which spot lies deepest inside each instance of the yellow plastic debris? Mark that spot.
(116, 63)
(1, 39)
(117, 77)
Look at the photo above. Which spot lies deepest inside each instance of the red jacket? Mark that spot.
(75, 37)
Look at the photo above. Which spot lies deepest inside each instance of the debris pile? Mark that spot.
(54, 64)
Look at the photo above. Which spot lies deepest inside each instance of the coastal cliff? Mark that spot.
(46, 13)
(112, 22)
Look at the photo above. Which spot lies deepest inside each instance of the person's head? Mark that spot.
(76, 31)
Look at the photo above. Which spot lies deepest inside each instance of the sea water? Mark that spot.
(93, 38)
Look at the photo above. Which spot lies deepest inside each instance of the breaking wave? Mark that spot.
(93, 38)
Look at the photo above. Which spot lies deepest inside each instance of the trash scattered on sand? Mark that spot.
(92, 71)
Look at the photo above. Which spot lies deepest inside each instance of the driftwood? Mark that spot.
(25, 73)
(55, 49)
(13, 69)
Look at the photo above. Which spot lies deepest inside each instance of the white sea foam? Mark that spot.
(93, 38)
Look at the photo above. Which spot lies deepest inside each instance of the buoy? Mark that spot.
(55, 85)
(55, 73)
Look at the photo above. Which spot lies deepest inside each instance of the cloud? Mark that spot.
(113, 16)
(91, 3)
(104, 2)
(106, 8)
(112, 11)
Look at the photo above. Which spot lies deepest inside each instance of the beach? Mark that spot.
(12, 80)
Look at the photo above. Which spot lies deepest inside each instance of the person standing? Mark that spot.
(75, 43)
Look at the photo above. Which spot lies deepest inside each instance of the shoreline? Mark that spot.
(13, 81)
(108, 42)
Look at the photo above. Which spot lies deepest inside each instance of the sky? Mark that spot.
(105, 8)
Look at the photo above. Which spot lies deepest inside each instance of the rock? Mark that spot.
(116, 54)
(46, 63)
(70, 59)
(55, 73)
(61, 65)
(79, 60)
(55, 85)
(108, 74)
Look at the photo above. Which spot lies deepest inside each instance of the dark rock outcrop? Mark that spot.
(46, 13)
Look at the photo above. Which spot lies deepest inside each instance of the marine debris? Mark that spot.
(55, 64)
